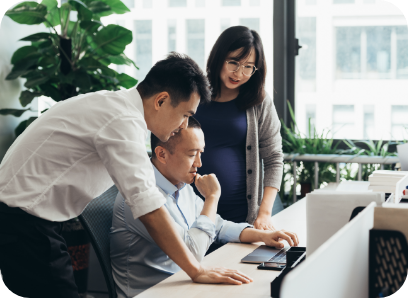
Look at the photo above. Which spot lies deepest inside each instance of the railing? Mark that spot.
(337, 159)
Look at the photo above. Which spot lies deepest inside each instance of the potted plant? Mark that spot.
(72, 58)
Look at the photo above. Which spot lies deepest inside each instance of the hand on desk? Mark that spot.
(221, 276)
(270, 238)
(264, 223)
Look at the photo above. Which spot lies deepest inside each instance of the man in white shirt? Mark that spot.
(137, 262)
(76, 151)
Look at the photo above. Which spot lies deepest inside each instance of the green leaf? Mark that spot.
(25, 53)
(23, 125)
(52, 16)
(90, 26)
(14, 112)
(51, 91)
(39, 36)
(89, 63)
(84, 14)
(99, 7)
(116, 6)
(28, 13)
(50, 4)
(26, 97)
(122, 59)
(81, 79)
(35, 81)
(47, 61)
(113, 39)
(126, 81)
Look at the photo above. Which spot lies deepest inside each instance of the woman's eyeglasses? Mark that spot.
(234, 66)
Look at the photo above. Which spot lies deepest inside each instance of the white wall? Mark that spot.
(10, 33)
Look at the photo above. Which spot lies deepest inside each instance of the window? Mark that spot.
(348, 52)
(196, 41)
(171, 34)
(225, 23)
(343, 122)
(402, 52)
(310, 2)
(369, 123)
(199, 3)
(399, 122)
(129, 3)
(143, 39)
(231, 2)
(252, 23)
(306, 64)
(254, 2)
(310, 119)
(177, 3)
(147, 3)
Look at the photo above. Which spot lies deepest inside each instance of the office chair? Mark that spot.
(97, 221)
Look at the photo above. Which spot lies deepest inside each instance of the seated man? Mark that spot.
(137, 262)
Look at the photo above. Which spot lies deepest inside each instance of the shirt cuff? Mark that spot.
(231, 231)
(145, 202)
(205, 224)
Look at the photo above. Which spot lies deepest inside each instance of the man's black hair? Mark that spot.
(178, 75)
(172, 142)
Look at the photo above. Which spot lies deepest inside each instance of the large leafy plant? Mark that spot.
(74, 56)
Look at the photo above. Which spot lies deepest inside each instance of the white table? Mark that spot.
(179, 285)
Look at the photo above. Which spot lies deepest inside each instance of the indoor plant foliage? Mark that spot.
(73, 57)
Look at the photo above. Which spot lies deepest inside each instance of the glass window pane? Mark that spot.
(348, 52)
(177, 3)
(171, 34)
(196, 41)
(231, 2)
(399, 121)
(254, 2)
(143, 38)
(378, 52)
(199, 3)
(129, 3)
(225, 23)
(306, 33)
(369, 123)
(251, 23)
(147, 3)
(402, 52)
(310, 119)
(343, 121)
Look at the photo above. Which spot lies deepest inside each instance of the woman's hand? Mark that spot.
(264, 222)
(274, 238)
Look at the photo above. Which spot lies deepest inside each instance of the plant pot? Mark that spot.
(305, 188)
(78, 247)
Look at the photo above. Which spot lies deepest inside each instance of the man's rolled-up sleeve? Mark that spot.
(121, 147)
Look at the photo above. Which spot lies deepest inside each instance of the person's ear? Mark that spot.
(160, 99)
(161, 154)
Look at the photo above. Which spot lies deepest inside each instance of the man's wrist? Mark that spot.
(194, 270)
(212, 197)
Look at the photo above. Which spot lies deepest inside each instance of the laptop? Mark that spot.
(266, 254)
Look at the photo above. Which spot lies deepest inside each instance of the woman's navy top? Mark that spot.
(225, 130)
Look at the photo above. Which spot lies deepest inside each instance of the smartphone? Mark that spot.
(272, 266)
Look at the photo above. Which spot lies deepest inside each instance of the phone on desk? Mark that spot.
(272, 266)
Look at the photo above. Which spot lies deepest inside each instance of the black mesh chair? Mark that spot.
(97, 221)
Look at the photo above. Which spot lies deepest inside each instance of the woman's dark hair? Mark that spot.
(252, 92)
(173, 141)
(178, 75)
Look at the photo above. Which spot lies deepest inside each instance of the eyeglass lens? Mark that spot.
(247, 69)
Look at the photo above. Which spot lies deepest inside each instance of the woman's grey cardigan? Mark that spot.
(263, 144)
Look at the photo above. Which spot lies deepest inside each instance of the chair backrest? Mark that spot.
(97, 221)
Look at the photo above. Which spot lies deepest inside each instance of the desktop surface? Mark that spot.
(179, 285)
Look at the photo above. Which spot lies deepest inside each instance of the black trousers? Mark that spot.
(34, 260)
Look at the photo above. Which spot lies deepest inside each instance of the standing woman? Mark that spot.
(242, 129)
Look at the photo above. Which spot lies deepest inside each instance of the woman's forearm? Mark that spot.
(267, 201)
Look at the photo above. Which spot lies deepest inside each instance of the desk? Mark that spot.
(179, 285)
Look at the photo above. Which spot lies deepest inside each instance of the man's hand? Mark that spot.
(208, 186)
(221, 276)
(274, 238)
(264, 222)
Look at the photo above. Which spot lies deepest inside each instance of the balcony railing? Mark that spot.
(337, 159)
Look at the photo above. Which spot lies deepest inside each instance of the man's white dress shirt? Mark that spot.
(71, 154)
(137, 262)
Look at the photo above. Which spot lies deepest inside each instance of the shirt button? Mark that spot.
(249, 147)
(249, 197)
(249, 171)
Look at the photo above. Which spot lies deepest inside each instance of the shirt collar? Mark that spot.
(165, 184)
(136, 100)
